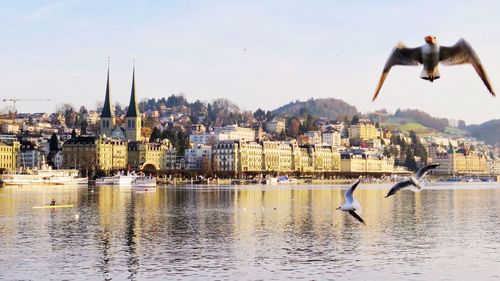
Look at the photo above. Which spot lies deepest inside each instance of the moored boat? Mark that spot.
(44, 176)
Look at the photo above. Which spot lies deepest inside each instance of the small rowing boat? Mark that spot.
(53, 206)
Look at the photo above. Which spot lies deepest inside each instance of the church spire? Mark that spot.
(107, 112)
(133, 110)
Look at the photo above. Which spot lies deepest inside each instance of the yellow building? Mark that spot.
(365, 163)
(460, 164)
(363, 131)
(250, 155)
(149, 156)
(326, 159)
(95, 152)
(273, 157)
(306, 163)
(9, 155)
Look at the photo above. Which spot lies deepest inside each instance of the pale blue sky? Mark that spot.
(295, 50)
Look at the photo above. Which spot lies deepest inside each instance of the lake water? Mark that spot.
(250, 233)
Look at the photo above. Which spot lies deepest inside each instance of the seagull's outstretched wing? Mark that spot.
(400, 55)
(425, 170)
(357, 217)
(398, 187)
(461, 53)
(348, 194)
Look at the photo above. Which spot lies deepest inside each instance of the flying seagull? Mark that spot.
(412, 181)
(351, 204)
(431, 55)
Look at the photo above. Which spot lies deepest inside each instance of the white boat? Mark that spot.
(105, 181)
(271, 180)
(144, 182)
(44, 176)
(120, 179)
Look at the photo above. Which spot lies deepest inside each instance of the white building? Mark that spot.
(10, 128)
(332, 137)
(198, 158)
(225, 158)
(29, 156)
(276, 126)
(234, 132)
(314, 137)
(207, 138)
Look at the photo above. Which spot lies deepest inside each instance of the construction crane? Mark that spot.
(379, 114)
(14, 100)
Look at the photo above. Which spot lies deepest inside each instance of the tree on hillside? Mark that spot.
(355, 120)
(53, 143)
(410, 161)
(259, 114)
(293, 127)
(155, 135)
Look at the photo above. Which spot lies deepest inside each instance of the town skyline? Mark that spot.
(243, 52)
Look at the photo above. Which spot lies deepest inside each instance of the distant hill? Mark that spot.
(489, 131)
(333, 109)
(438, 124)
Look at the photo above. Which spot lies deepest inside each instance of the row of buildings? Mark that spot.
(232, 150)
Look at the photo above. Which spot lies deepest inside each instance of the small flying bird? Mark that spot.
(430, 55)
(351, 204)
(244, 49)
(412, 181)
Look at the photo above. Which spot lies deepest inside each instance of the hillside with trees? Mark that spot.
(489, 131)
(425, 119)
(330, 108)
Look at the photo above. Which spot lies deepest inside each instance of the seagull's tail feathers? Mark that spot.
(431, 76)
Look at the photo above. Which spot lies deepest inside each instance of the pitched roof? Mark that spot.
(133, 110)
(107, 112)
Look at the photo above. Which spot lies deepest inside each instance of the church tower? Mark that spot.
(133, 117)
(107, 114)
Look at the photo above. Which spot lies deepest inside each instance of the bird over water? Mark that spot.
(351, 204)
(430, 55)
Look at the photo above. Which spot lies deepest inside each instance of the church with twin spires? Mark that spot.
(131, 128)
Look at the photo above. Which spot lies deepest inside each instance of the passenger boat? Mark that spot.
(144, 182)
(120, 179)
(44, 176)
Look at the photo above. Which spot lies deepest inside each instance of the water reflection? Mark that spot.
(249, 233)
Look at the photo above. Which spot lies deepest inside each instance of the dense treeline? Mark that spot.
(489, 132)
(330, 108)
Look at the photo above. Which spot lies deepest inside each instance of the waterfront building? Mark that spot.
(326, 159)
(88, 152)
(277, 157)
(169, 159)
(147, 156)
(454, 163)
(250, 155)
(9, 155)
(29, 155)
(306, 163)
(225, 157)
(198, 157)
(363, 162)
